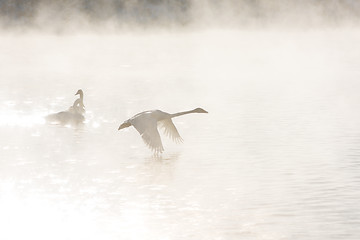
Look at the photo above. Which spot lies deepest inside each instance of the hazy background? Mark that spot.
(276, 158)
(119, 14)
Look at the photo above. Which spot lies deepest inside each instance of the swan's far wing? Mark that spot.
(149, 133)
(170, 130)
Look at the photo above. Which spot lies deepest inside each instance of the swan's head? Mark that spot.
(124, 125)
(200, 110)
(79, 92)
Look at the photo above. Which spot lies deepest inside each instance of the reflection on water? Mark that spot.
(277, 157)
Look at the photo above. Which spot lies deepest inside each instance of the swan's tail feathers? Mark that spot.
(170, 130)
(51, 118)
(64, 118)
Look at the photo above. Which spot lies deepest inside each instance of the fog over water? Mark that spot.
(277, 156)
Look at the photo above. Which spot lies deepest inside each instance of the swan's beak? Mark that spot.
(124, 125)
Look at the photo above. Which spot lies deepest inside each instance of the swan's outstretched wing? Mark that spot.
(170, 130)
(152, 139)
(148, 130)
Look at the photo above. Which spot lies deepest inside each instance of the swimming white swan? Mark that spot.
(146, 124)
(81, 93)
(72, 116)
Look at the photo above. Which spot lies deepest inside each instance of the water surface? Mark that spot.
(277, 157)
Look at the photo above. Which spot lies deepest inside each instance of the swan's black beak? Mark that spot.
(124, 125)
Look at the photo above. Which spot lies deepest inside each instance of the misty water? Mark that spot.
(277, 157)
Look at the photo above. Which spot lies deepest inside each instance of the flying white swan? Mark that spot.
(146, 124)
(72, 116)
(81, 93)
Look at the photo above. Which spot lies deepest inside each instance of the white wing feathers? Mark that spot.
(147, 128)
(152, 139)
(170, 130)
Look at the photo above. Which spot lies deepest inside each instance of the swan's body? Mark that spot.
(146, 123)
(72, 116)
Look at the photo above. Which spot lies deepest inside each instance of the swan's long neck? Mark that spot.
(181, 113)
(82, 96)
(76, 103)
(77, 107)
